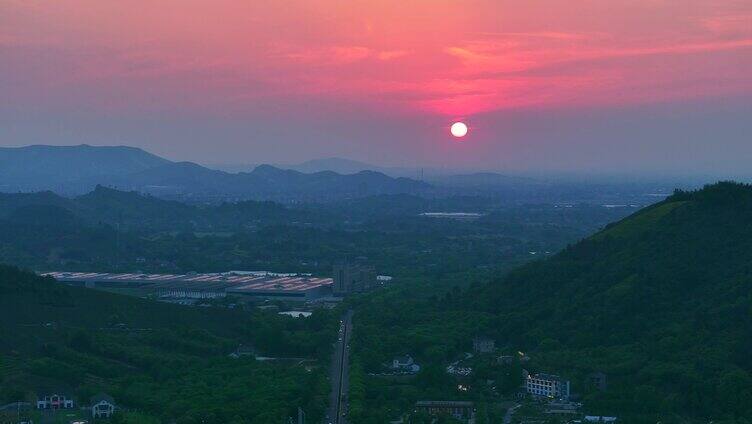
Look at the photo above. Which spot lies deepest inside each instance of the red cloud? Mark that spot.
(449, 58)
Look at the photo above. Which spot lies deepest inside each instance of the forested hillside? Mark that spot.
(169, 362)
(660, 302)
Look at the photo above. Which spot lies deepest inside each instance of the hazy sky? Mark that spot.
(614, 86)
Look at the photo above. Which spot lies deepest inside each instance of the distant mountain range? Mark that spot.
(68, 168)
(448, 178)
(349, 166)
(75, 170)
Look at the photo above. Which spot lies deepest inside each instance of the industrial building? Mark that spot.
(285, 288)
(249, 285)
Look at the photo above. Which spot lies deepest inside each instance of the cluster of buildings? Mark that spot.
(100, 406)
(250, 285)
(260, 285)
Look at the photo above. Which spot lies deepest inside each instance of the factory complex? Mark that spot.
(244, 284)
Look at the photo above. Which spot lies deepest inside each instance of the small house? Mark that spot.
(54, 401)
(405, 364)
(102, 406)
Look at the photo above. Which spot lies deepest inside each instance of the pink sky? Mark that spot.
(412, 66)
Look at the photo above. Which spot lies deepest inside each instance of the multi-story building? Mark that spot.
(547, 385)
(353, 278)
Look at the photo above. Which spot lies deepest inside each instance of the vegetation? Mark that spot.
(661, 302)
(170, 363)
(109, 230)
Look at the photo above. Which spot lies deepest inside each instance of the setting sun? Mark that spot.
(458, 129)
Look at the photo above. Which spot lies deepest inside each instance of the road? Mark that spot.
(339, 372)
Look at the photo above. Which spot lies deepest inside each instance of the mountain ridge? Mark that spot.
(74, 170)
(43, 167)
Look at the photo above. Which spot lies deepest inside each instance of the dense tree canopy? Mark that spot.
(170, 363)
(660, 302)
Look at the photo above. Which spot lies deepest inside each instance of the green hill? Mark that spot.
(661, 302)
(168, 361)
(130, 210)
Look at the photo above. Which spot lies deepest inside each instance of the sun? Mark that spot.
(458, 129)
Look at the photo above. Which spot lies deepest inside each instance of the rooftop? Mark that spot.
(230, 282)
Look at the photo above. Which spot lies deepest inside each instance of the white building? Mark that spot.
(547, 385)
(102, 406)
(54, 402)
